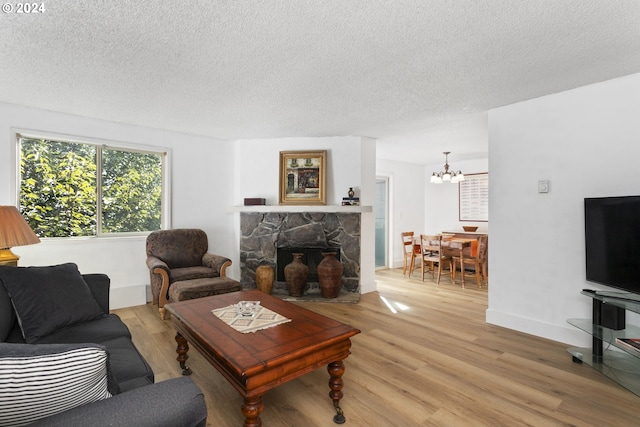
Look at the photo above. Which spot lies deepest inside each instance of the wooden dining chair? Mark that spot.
(408, 252)
(432, 254)
(483, 258)
(474, 264)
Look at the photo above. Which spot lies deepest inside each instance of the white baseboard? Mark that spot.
(564, 334)
(128, 296)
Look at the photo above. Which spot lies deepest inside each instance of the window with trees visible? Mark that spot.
(81, 189)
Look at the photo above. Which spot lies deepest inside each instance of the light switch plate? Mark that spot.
(543, 186)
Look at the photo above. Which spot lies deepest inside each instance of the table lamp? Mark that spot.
(14, 231)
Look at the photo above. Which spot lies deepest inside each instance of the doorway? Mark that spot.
(382, 222)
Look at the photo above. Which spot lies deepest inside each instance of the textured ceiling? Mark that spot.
(417, 75)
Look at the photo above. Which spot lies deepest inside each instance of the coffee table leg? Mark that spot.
(183, 348)
(336, 369)
(251, 409)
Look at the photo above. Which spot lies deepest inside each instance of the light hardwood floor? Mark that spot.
(435, 362)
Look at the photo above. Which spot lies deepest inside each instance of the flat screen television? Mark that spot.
(612, 241)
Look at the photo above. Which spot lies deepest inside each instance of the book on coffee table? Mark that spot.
(630, 343)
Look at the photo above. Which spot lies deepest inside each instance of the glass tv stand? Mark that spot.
(616, 361)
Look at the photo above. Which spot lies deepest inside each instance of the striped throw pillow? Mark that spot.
(36, 384)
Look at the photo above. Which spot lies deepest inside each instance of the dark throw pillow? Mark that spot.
(37, 381)
(7, 315)
(49, 298)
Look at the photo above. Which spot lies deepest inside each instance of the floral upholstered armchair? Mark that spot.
(180, 267)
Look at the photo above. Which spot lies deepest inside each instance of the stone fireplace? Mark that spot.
(270, 238)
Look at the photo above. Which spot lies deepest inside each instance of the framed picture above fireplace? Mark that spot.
(303, 177)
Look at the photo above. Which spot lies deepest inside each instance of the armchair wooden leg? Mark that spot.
(164, 289)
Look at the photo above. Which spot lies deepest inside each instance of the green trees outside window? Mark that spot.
(60, 195)
(131, 191)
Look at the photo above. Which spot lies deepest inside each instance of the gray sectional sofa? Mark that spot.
(65, 360)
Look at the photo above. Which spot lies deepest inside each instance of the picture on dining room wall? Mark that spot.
(473, 197)
(303, 177)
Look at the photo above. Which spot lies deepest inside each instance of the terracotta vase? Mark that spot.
(330, 275)
(295, 275)
(264, 278)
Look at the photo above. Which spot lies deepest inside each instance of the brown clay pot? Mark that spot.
(295, 275)
(330, 275)
(264, 278)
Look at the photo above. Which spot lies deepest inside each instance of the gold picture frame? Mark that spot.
(303, 177)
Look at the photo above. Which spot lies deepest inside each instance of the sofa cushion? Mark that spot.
(48, 298)
(127, 364)
(97, 331)
(37, 381)
(7, 315)
(177, 402)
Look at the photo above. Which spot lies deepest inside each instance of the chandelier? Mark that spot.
(447, 176)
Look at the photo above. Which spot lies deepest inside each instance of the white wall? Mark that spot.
(442, 200)
(258, 166)
(587, 143)
(201, 191)
(367, 154)
(406, 202)
(350, 163)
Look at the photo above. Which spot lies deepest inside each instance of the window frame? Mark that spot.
(101, 144)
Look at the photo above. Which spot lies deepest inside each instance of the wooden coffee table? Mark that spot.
(258, 361)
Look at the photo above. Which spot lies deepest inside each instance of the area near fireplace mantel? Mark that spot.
(301, 208)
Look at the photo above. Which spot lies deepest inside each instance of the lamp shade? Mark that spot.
(14, 231)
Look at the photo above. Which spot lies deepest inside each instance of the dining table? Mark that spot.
(455, 246)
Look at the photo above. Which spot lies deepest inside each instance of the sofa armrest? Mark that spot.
(218, 262)
(177, 402)
(99, 284)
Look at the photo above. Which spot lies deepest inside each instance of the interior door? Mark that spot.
(381, 218)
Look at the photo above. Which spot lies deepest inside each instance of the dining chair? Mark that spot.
(475, 263)
(432, 253)
(483, 255)
(408, 252)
